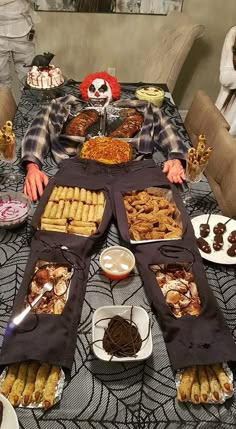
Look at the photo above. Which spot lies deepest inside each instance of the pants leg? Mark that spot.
(23, 51)
(5, 57)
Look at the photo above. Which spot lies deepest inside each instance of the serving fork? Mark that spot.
(47, 287)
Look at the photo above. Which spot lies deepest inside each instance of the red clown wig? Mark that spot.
(115, 87)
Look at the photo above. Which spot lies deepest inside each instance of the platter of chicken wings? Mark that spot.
(152, 215)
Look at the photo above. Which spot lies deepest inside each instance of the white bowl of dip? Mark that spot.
(117, 262)
(14, 209)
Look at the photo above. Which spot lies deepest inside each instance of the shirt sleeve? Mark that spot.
(227, 72)
(166, 136)
(36, 142)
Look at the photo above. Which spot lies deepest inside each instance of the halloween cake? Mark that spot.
(44, 77)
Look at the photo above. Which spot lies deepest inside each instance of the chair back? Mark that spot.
(221, 171)
(7, 105)
(174, 41)
(203, 117)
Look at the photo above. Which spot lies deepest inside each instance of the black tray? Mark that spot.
(133, 151)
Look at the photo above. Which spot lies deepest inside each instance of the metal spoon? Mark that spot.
(47, 287)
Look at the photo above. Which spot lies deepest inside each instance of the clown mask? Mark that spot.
(99, 93)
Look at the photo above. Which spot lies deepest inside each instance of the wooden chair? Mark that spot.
(7, 105)
(203, 117)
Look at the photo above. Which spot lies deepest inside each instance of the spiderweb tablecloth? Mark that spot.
(111, 395)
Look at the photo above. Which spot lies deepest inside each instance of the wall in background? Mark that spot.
(201, 69)
(64, 34)
(113, 6)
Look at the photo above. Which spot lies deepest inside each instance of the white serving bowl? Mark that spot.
(14, 209)
(139, 316)
(152, 94)
(117, 262)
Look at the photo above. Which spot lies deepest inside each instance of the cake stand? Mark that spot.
(45, 95)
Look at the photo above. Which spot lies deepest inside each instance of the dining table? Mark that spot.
(101, 394)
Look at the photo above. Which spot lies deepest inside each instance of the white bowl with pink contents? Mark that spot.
(14, 209)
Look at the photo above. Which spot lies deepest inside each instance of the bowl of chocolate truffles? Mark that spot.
(117, 262)
(14, 209)
(121, 333)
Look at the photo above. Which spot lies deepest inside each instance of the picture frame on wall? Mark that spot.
(156, 7)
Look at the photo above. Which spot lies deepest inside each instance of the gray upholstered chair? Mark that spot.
(203, 117)
(170, 48)
(7, 105)
(221, 171)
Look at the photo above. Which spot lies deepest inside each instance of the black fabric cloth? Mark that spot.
(47, 337)
(150, 176)
(190, 340)
(90, 175)
(71, 173)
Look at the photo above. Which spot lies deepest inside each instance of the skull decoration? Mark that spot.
(99, 93)
(100, 89)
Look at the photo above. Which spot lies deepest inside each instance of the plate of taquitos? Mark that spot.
(73, 210)
(32, 384)
(205, 384)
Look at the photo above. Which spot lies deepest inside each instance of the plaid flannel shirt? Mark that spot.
(46, 132)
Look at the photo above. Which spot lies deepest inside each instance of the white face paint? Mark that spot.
(99, 93)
